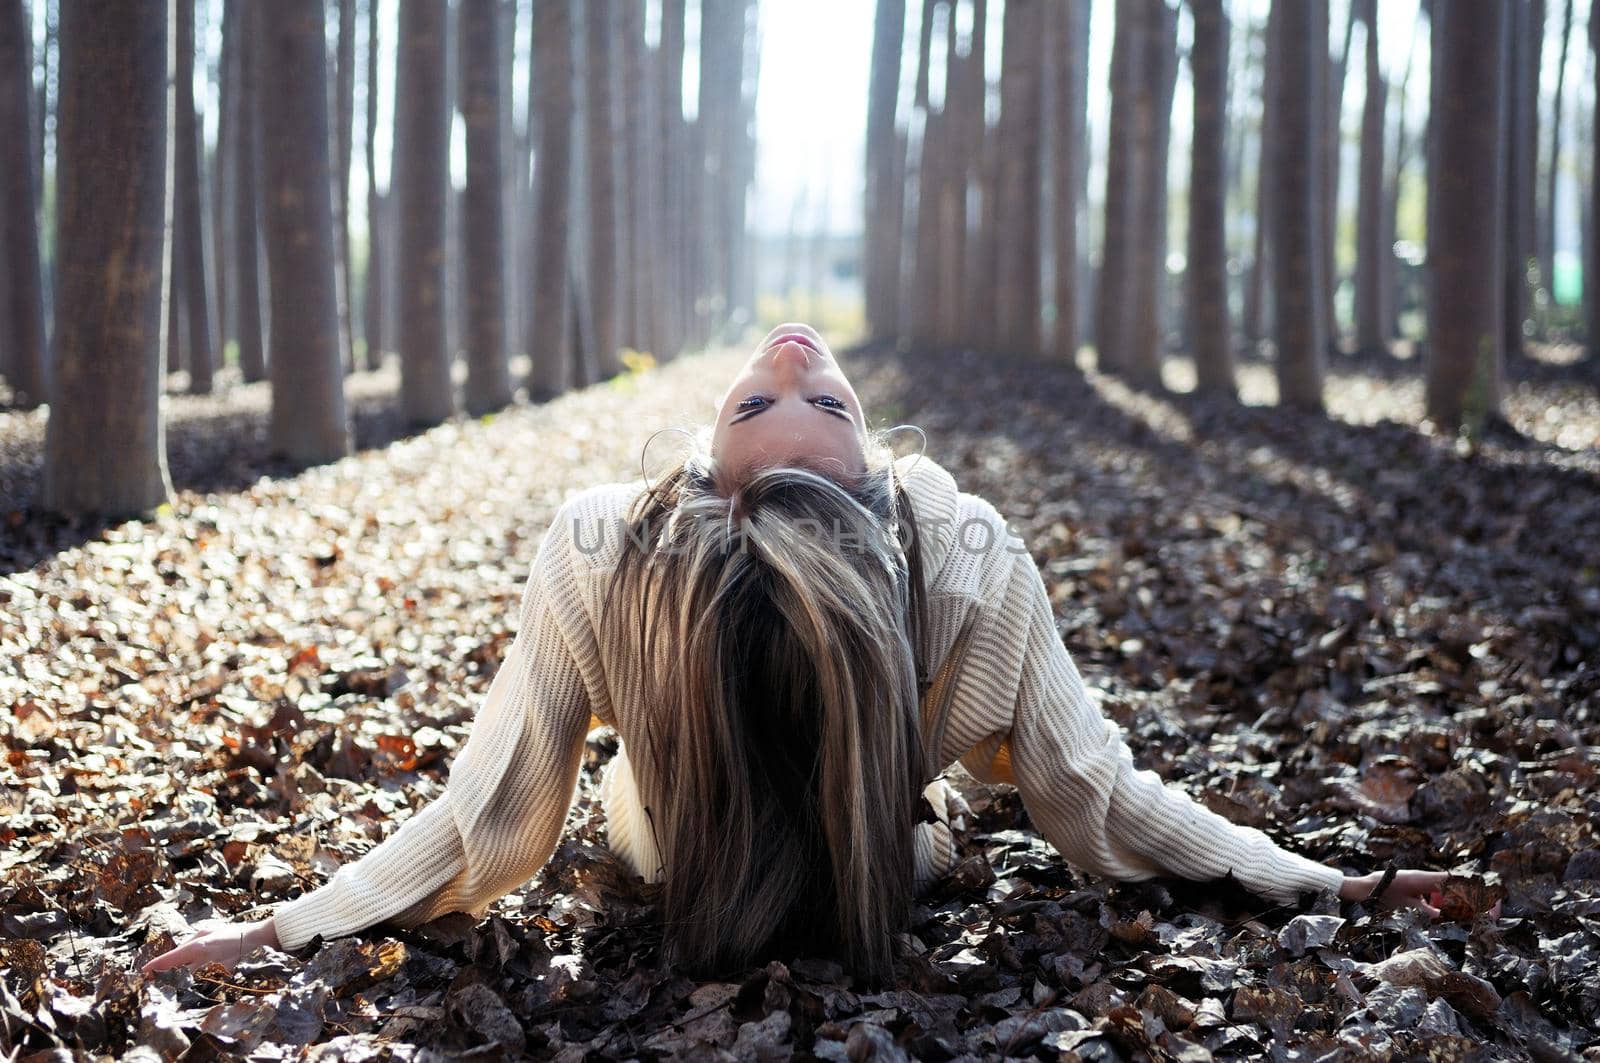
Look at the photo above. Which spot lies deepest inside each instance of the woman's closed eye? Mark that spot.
(759, 402)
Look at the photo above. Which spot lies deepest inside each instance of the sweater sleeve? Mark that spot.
(509, 790)
(1075, 773)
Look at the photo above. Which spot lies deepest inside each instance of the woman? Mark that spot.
(793, 633)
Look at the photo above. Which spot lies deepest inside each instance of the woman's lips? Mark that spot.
(794, 337)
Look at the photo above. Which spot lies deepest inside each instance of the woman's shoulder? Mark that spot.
(588, 524)
(967, 541)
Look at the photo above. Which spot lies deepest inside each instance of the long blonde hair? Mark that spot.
(777, 630)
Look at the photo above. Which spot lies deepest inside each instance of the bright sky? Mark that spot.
(811, 112)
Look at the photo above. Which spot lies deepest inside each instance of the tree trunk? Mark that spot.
(224, 181)
(641, 157)
(309, 424)
(625, 196)
(104, 446)
(1114, 298)
(963, 104)
(1372, 313)
(189, 251)
(670, 176)
(719, 141)
(422, 185)
(579, 313)
(552, 64)
(1521, 155)
(23, 338)
(1467, 244)
(922, 326)
(1020, 198)
(1297, 258)
(373, 301)
(1207, 271)
(247, 223)
(881, 229)
(1547, 220)
(344, 107)
(600, 17)
(483, 228)
(1069, 43)
(1145, 333)
(1258, 290)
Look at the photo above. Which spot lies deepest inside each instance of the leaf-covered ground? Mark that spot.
(1376, 644)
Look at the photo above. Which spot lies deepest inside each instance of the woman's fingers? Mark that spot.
(213, 942)
(173, 957)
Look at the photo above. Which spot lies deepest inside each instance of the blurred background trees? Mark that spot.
(461, 228)
(515, 197)
(1315, 217)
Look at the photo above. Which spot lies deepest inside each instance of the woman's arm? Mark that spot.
(501, 816)
(1022, 714)
(1079, 783)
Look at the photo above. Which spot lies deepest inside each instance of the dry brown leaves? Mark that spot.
(1365, 641)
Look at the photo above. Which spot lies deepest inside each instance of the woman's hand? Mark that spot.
(1408, 889)
(215, 941)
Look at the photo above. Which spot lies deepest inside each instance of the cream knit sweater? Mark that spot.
(1006, 701)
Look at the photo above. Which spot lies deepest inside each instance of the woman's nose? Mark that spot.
(791, 359)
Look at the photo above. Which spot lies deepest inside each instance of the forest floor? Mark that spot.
(1376, 644)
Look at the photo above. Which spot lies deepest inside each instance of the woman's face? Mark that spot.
(789, 404)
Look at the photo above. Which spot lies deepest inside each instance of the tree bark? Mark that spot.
(247, 224)
(922, 326)
(422, 185)
(1207, 271)
(104, 446)
(1297, 258)
(1522, 155)
(551, 370)
(1021, 98)
(344, 107)
(224, 181)
(23, 338)
(1114, 296)
(373, 302)
(1372, 312)
(1258, 290)
(964, 101)
(600, 18)
(881, 229)
(190, 249)
(309, 424)
(671, 178)
(641, 156)
(483, 228)
(1467, 243)
(1145, 334)
(1069, 42)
